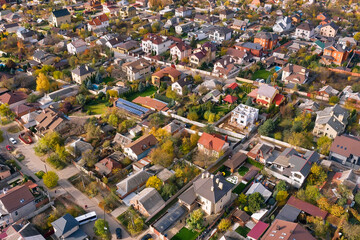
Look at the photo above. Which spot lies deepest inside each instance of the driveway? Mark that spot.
(32, 164)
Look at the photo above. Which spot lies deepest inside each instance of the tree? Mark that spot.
(242, 199)
(42, 83)
(334, 99)
(357, 197)
(323, 203)
(321, 227)
(135, 226)
(154, 182)
(92, 131)
(255, 201)
(195, 220)
(267, 127)
(6, 112)
(159, 156)
(357, 36)
(170, 93)
(89, 158)
(337, 210)
(351, 231)
(324, 144)
(80, 99)
(317, 175)
(193, 116)
(281, 197)
(249, 101)
(224, 224)
(311, 193)
(168, 190)
(197, 78)
(101, 229)
(50, 179)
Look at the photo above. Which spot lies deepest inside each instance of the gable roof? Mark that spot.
(171, 217)
(346, 145)
(151, 103)
(64, 224)
(258, 230)
(259, 188)
(236, 160)
(61, 13)
(285, 230)
(16, 198)
(12, 97)
(267, 36)
(132, 182)
(142, 144)
(149, 199)
(288, 213)
(23, 232)
(307, 207)
(211, 142)
(82, 70)
(168, 71)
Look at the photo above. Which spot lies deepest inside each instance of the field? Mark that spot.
(185, 234)
(262, 74)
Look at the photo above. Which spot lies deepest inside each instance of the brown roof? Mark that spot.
(285, 230)
(13, 97)
(307, 207)
(16, 198)
(107, 165)
(181, 46)
(137, 65)
(168, 71)
(345, 145)
(142, 144)
(49, 118)
(151, 103)
(236, 160)
(241, 215)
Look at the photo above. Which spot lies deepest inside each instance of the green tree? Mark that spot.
(324, 144)
(170, 93)
(6, 112)
(193, 116)
(136, 225)
(357, 198)
(89, 158)
(168, 190)
(334, 99)
(242, 199)
(161, 157)
(280, 186)
(50, 179)
(224, 224)
(267, 128)
(317, 176)
(256, 201)
(195, 220)
(80, 99)
(281, 197)
(101, 229)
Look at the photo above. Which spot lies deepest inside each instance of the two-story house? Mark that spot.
(138, 69)
(59, 17)
(185, 27)
(80, 73)
(77, 46)
(205, 53)
(225, 67)
(226, 14)
(141, 147)
(244, 115)
(304, 31)
(50, 120)
(212, 145)
(335, 53)
(329, 30)
(67, 227)
(155, 44)
(168, 74)
(127, 12)
(220, 34)
(147, 202)
(282, 25)
(179, 85)
(345, 149)
(180, 50)
(183, 12)
(99, 22)
(295, 74)
(267, 40)
(267, 95)
(252, 48)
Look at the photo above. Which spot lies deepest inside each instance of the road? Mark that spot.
(32, 164)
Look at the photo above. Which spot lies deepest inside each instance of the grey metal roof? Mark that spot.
(150, 199)
(82, 70)
(132, 182)
(251, 45)
(188, 196)
(64, 224)
(171, 217)
(61, 13)
(288, 213)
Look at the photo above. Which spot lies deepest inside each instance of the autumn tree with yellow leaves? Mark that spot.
(42, 83)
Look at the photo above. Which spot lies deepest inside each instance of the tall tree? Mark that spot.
(42, 83)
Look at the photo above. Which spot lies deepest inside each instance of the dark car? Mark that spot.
(118, 233)
(146, 237)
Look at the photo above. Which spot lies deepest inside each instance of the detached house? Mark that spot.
(77, 46)
(220, 34)
(346, 150)
(67, 227)
(50, 120)
(179, 85)
(295, 74)
(80, 73)
(329, 30)
(266, 95)
(282, 25)
(183, 12)
(138, 69)
(335, 53)
(185, 28)
(132, 183)
(267, 40)
(252, 48)
(226, 14)
(225, 67)
(155, 44)
(240, 25)
(285, 230)
(141, 147)
(305, 30)
(147, 202)
(168, 74)
(99, 22)
(180, 50)
(212, 145)
(244, 115)
(127, 12)
(59, 17)
(331, 121)
(205, 53)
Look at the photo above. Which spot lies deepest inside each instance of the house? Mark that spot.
(267, 95)
(331, 121)
(132, 183)
(13, 99)
(261, 152)
(180, 50)
(259, 188)
(21, 231)
(213, 96)
(292, 166)
(16, 203)
(43, 57)
(327, 91)
(213, 193)
(81, 73)
(335, 53)
(132, 109)
(226, 14)
(60, 17)
(225, 67)
(78, 147)
(241, 217)
(4, 171)
(267, 40)
(147, 202)
(141, 147)
(345, 149)
(92, 5)
(77, 46)
(230, 99)
(127, 12)
(220, 34)
(179, 85)
(51, 120)
(66, 91)
(152, 103)
(155, 44)
(252, 48)
(322, 16)
(183, 12)
(122, 140)
(137, 70)
(25, 34)
(99, 22)
(67, 227)
(243, 116)
(288, 213)
(203, 54)
(307, 208)
(329, 30)
(238, 56)
(235, 161)
(295, 74)
(345, 41)
(282, 24)
(285, 230)
(127, 47)
(212, 84)
(212, 145)
(107, 165)
(174, 127)
(165, 175)
(240, 25)
(185, 28)
(257, 231)
(304, 31)
(309, 106)
(200, 18)
(167, 74)
(350, 98)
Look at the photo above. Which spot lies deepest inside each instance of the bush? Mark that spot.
(40, 174)
(50, 179)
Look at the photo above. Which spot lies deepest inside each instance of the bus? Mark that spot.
(88, 217)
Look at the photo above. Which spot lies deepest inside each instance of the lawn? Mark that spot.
(255, 163)
(262, 74)
(239, 188)
(243, 231)
(147, 92)
(108, 79)
(96, 107)
(224, 170)
(221, 108)
(243, 170)
(185, 234)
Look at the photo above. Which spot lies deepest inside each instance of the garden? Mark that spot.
(185, 234)
(243, 170)
(132, 221)
(243, 231)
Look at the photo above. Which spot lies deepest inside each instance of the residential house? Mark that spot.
(350, 98)
(67, 227)
(185, 28)
(200, 18)
(238, 56)
(138, 69)
(107, 165)
(127, 47)
(127, 12)
(81, 73)
(203, 54)
(155, 44)
(267, 40)
(21, 231)
(25, 34)
(236, 161)
(16, 203)
(77, 46)
(183, 12)
(331, 121)
(147, 202)
(230, 99)
(220, 34)
(257, 231)
(345, 149)
(309, 106)
(212, 145)
(77, 147)
(179, 85)
(335, 53)
(60, 17)
(251, 48)
(111, 9)
(327, 91)
(99, 22)
(180, 50)
(240, 25)
(132, 109)
(50, 120)
(259, 188)
(13, 99)
(261, 152)
(167, 74)
(212, 192)
(122, 140)
(225, 67)
(213, 96)
(25, 108)
(307, 208)
(208, 85)
(292, 166)
(4, 171)
(43, 57)
(345, 41)
(285, 230)
(132, 183)
(295, 74)
(329, 30)
(282, 24)
(266, 95)
(67, 91)
(322, 16)
(11, 27)
(174, 127)
(141, 147)
(92, 5)
(152, 103)
(226, 14)
(304, 31)
(243, 116)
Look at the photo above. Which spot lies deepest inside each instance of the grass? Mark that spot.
(127, 216)
(263, 74)
(243, 170)
(13, 129)
(185, 234)
(147, 92)
(255, 163)
(221, 108)
(108, 79)
(243, 231)
(96, 107)
(40, 174)
(239, 188)
(224, 170)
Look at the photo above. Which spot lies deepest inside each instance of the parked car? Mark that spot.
(118, 233)
(12, 140)
(146, 237)
(9, 148)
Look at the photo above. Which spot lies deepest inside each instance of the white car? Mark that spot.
(13, 141)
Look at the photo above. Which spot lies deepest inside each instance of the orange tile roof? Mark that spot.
(211, 142)
(230, 99)
(168, 71)
(278, 99)
(151, 103)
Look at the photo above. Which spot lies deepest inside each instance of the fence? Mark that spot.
(344, 72)
(40, 210)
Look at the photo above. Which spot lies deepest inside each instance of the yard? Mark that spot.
(128, 217)
(185, 234)
(243, 170)
(224, 170)
(262, 74)
(239, 188)
(96, 107)
(243, 231)
(147, 92)
(221, 108)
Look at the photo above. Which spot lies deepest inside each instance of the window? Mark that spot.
(16, 213)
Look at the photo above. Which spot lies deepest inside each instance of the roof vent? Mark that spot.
(212, 188)
(221, 186)
(277, 227)
(212, 176)
(203, 175)
(22, 200)
(217, 180)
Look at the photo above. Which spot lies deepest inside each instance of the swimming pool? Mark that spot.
(277, 68)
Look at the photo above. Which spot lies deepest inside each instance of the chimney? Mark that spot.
(212, 188)
(221, 185)
(277, 227)
(207, 174)
(217, 180)
(212, 176)
(203, 175)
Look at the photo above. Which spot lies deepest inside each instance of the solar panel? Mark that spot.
(129, 109)
(133, 105)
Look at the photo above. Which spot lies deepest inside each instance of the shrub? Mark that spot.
(50, 179)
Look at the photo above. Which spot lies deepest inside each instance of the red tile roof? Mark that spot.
(151, 103)
(233, 86)
(258, 230)
(230, 99)
(278, 99)
(211, 142)
(307, 207)
(168, 71)
(99, 19)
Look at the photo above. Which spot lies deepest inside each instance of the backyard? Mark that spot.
(243, 231)
(130, 217)
(243, 170)
(147, 92)
(185, 234)
(96, 107)
(262, 74)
